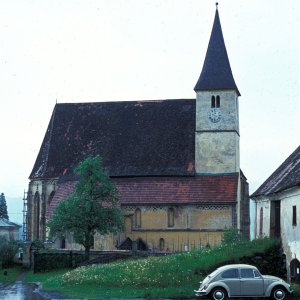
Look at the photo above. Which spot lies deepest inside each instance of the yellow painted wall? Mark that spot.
(194, 227)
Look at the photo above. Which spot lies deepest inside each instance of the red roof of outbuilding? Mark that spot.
(205, 189)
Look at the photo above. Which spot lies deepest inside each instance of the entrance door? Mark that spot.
(295, 271)
(275, 220)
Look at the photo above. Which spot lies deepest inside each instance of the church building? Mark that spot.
(176, 162)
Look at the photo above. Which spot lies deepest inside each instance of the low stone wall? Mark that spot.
(272, 262)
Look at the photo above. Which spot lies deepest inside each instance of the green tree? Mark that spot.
(94, 206)
(3, 207)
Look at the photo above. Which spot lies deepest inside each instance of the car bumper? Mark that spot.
(200, 293)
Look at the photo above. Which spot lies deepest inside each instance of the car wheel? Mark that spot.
(218, 294)
(278, 293)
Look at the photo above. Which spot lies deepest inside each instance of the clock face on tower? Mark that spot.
(214, 115)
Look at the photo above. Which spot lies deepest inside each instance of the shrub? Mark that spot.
(50, 260)
(231, 236)
(8, 250)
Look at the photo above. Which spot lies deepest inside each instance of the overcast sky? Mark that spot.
(104, 50)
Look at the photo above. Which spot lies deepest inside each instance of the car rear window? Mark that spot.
(231, 273)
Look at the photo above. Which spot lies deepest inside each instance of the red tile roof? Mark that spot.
(63, 191)
(178, 190)
(218, 189)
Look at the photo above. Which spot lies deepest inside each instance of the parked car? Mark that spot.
(242, 281)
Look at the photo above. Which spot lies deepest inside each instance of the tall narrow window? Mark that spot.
(218, 101)
(63, 242)
(261, 219)
(37, 215)
(161, 244)
(50, 197)
(92, 242)
(294, 215)
(137, 216)
(213, 101)
(171, 217)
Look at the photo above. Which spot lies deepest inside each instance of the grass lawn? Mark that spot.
(172, 276)
(12, 274)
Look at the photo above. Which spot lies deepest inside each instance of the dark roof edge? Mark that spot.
(216, 175)
(225, 203)
(125, 101)
(217, 89)
(44, 152)
(274, 192)
(259, 191)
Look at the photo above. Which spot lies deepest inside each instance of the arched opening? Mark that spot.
(125, 244)
(50, 197)
(161, 244)
(295, 271)
(92, 241)
(213, 101)
(171, 217)
(36, 220)
(218, 101)
(141, 245)
(137, 217)
(261, 220)
(63, 242)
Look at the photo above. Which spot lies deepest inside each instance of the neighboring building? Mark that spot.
(277, 210)
(176, 162)
(9, 229)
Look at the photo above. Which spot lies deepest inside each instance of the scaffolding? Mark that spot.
(24, 236)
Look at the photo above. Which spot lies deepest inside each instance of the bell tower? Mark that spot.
(217, 146)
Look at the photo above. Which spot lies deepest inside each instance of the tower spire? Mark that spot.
(216, 73)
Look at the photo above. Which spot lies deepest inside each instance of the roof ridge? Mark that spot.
(290, 164)
(45, 147)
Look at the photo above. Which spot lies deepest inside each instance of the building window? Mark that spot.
(161, 244)
(218, 101)
(50, 197)
(294, 215)
(171, 217)
(215, 101)
(261, 220)
(63, 243)
(137, 217)
(92, 241)
(37, 215)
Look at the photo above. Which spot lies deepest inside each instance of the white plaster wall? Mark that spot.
(10, 234)
(263, 203)
(290, 234)
(228, 108)
(217, 152)
(217, 146)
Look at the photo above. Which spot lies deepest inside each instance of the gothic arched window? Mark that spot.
(36, 219)
(171, 217)
(161, 244)
(50, 197)
(137, 217)
(63, 242)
